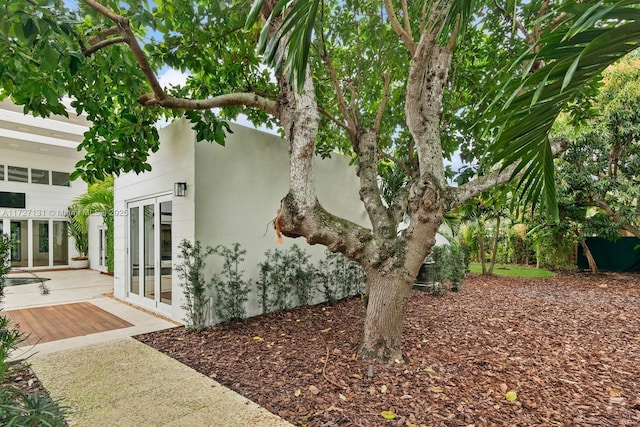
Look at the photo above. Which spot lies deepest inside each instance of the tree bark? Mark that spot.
(494, 251)
(587, 253)
(388, 297)
(481, 254)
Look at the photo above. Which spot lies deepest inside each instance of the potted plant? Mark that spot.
(78, 230)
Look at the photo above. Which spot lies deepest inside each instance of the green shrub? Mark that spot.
(340, 277)
(446, 265)
(287, 279)
(190, 272)
(18, 408)
(273, 288)
(232, 291)
(301, 276)
(458, 265)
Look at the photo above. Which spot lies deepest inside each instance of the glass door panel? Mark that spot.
(134, 250)
(20, 248)
(60, 241)
(165, 252)
(149, 252)
(40, 243)
(102, 248)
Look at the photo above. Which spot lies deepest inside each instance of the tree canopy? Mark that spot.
(601, 167)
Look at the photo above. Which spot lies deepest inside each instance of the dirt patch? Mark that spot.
(568, 347)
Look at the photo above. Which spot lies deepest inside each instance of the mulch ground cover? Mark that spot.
(500, 352)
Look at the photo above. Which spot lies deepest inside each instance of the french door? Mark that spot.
(149, 253)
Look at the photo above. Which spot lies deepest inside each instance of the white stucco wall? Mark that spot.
(42, 202)
(238, 192)
(50, 198)
(174, 162)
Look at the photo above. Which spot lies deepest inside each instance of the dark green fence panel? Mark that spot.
(620, 255)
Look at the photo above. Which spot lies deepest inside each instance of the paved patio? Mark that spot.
(110, 379)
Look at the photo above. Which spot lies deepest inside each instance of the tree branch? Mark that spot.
(454, 35)
(123, 24)
(342, 103)
(383, 103)
(227, 100)
(366, 147)
(400, 31)
(102, 44)
(405, 17)
(333, 119)
(625, 225)
(159, 97)
(459, 195)
(512, 18)
(397, 161)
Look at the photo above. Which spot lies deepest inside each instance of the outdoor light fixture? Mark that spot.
(180, 189)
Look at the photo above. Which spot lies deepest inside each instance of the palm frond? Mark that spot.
(593, 37)
(295, 29)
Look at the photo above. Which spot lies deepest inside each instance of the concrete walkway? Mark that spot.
(110, 379)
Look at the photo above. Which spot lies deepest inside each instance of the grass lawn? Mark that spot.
(513, 270)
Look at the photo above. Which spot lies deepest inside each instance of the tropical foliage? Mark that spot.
(97, 200)
(396, 85)
(602, 167)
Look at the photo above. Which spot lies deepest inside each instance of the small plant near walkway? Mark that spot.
(191, 275)
(232, 291)
(17, 407)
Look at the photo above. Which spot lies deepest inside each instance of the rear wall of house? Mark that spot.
(43, 201)
(238, 192)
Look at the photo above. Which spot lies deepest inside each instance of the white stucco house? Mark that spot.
(217, 195)
(36, 157)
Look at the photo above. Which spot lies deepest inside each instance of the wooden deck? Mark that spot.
(56, 322)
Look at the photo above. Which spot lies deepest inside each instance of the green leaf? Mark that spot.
(570, 72)
(388, 415)
(252, 18)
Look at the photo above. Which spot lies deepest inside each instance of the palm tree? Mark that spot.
(97, 200)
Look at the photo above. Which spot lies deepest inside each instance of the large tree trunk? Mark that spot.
(587, 253)
(386, 310)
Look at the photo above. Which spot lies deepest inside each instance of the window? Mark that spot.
(1, 172)
(60, 178)
(18, 174)
(39, 176)
(12, 200)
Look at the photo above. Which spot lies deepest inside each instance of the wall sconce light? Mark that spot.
(180, 189)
